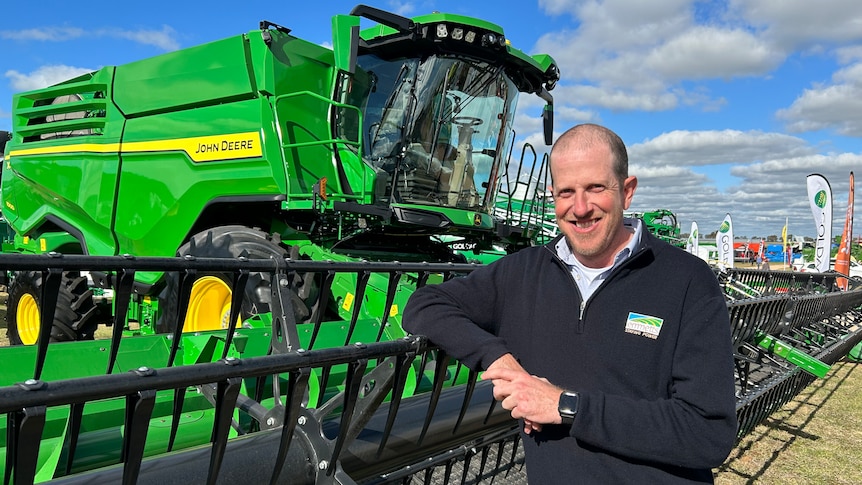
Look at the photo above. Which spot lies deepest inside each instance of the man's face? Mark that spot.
(589, 202)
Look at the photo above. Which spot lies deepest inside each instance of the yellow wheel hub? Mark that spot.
(29, 319)
(209, 305)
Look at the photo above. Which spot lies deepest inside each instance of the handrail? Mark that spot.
(348, 434)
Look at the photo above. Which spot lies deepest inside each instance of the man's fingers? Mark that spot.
(501, 373)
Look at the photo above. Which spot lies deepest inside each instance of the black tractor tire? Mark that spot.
(75, 318)
(229, 242)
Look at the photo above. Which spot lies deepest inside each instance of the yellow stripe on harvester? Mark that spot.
(205, 148)
(199, 148)
(80, 147)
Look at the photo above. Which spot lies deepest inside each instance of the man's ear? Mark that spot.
(629, 187)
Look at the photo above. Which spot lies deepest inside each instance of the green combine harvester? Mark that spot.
(259, 147)
(267, 145)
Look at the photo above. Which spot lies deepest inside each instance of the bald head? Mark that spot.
(589, 135)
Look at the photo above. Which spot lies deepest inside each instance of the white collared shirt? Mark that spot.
(589, 279)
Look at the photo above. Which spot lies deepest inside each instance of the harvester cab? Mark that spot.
(437, 96)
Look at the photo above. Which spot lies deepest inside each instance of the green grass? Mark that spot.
(814, 439)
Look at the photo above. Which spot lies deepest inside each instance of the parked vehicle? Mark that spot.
(810, 267)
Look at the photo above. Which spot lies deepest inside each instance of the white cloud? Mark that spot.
(557, 7)
(716, 147)
(47, 34)
(164, 39)
(618, 99)
(849, 54)
(632, 55)
(833, 106)
(402, 8)
(832, 164)
(44, 76)
(705, 52)
(629, 55)
(795, 24)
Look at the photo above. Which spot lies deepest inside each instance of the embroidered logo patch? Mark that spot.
(643, 325)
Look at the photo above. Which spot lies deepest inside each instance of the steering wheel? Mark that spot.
(467, 121)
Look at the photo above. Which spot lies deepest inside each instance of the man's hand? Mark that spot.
(527, 397)
(507, 361)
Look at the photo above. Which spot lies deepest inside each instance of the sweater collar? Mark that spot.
(562, 249)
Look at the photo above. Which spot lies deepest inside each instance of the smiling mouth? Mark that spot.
(585, 224)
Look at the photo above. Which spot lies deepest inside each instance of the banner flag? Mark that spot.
(691, 245)
(784, 241)
(842, 259)
(724, 243)
(820, 199)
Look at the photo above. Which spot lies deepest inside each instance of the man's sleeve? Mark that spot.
(459, 316)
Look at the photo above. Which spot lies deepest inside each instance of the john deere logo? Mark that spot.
(725, 226)
(820, 199)
(694, 234)
(477, 219)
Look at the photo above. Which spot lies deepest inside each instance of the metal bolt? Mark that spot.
(32, 385)
(270, 421)
(144, 371)
(283, 282)
(323, 465)
(301, 420)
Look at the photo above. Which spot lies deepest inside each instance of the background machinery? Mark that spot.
(266, 145)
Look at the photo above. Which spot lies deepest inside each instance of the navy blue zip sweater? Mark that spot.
(653, 408)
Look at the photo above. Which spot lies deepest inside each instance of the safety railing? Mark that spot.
(750, 283)
(384, 409)
(784, 341)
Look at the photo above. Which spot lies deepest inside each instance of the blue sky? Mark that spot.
(726, 106)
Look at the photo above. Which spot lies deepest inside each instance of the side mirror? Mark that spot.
(548, 123)
(345, 42)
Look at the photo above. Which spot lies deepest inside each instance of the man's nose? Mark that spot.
(580, 203)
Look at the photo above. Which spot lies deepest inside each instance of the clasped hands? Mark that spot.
(525, 396)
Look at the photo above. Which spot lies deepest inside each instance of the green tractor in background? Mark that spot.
(264, 145)
(663, 224)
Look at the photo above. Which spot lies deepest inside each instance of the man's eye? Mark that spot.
(596, 188)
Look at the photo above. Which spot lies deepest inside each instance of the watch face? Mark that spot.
(568, 407)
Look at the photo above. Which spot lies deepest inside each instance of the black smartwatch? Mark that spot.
(568, 407)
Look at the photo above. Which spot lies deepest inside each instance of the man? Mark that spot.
(613, 347)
